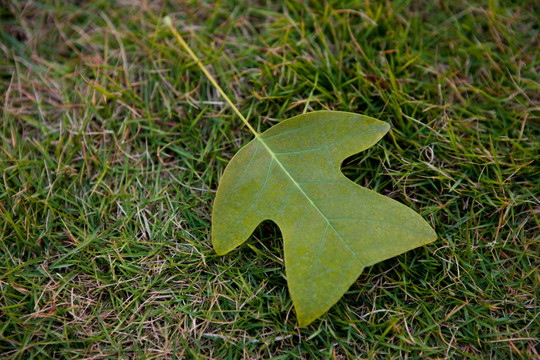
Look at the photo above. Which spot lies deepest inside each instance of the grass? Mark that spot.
(112, 143)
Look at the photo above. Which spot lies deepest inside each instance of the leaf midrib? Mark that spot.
(259, 138)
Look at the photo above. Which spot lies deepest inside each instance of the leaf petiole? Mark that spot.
(167, 20)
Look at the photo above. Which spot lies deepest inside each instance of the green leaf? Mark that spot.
(332, 228)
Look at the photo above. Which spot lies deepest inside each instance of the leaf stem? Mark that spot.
(185, 46)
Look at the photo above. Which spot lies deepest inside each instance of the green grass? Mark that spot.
(112, 143)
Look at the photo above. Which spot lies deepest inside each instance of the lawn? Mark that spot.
(112, 144)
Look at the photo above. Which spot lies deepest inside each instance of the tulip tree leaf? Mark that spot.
(332, 228)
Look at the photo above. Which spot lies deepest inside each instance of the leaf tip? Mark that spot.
(306, 315)
(219, 248)
(429, 233)
(377, 127)
(303, 319)
(220, 252)
(432, 236)
(382, 127)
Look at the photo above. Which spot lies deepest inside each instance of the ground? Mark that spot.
(112, 143)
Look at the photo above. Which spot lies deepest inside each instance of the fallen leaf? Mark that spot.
(332, 228)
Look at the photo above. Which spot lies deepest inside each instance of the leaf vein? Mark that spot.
(261, 190)
(321, 245)
(385, 222)
(312, 124)
(253, 155)
(327, 145)
(286, 200)
(273, 155)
